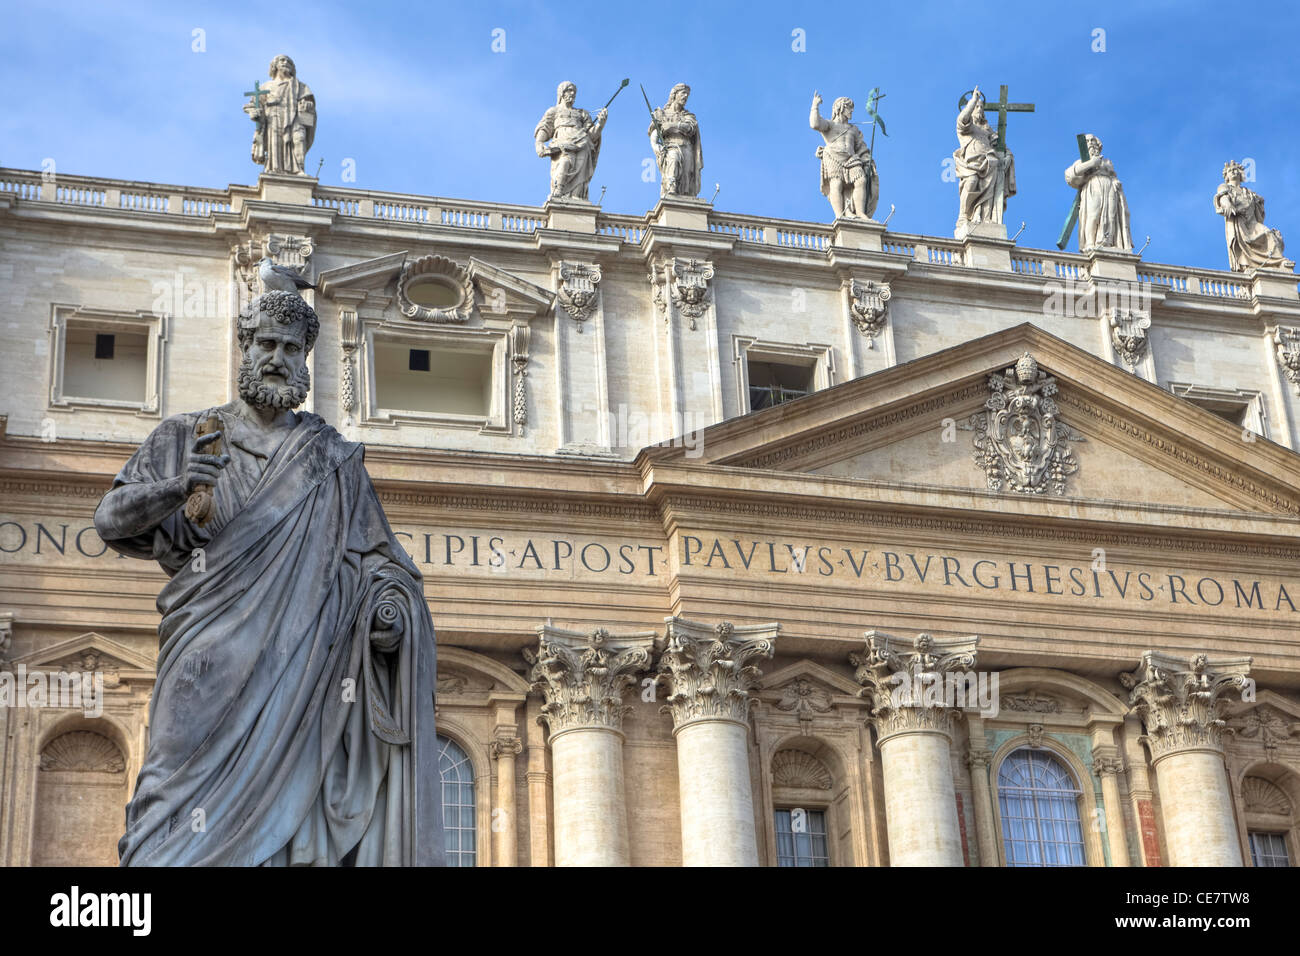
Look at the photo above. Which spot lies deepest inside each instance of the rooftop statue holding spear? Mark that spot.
(570, 138)
(849, 177)
(675, 136)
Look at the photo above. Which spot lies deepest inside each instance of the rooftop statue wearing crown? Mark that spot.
(285, 118)
(1251, 244)
(292, 721)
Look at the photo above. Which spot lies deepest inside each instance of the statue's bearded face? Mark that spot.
(282, 66)
(274, 370)
(568, 94)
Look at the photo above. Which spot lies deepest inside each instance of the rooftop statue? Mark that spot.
(570, 138)
(285, 113)
(1103, 210)
(675, 137)
(1251, 244)
(986, 169)
(292, 722)
(849, 177)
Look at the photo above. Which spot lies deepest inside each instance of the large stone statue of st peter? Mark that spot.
(292, 722)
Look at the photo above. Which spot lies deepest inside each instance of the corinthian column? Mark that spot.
(905, 684)
(710, 681)
(583, 677)
(1181, 707)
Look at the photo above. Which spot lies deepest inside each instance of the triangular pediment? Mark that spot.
(87, 652)
(928, 424)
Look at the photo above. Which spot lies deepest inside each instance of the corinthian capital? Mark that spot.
(1181, 703)
(907, 685)
(582, 676)
(708, 669)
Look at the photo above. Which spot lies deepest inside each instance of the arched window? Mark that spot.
(1040, 811)
(459, 826)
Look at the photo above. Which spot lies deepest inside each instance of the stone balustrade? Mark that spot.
(30, 186)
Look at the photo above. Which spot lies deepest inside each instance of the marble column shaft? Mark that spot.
(710, 681)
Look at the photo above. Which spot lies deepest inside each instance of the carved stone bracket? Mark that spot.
(292, 252)
(578, 292)
(979, 759)
(1181, 703)
(708, 669)
(1035, 734)
(1287, 341)
(1128, 334)
(904, 682)
(869, 307)
(689, 287)
(1019, 441)
(583, 676)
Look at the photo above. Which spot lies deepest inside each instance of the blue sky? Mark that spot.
(416, 96)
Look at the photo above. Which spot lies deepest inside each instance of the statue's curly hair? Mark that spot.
(1229, 166)
(287, 308)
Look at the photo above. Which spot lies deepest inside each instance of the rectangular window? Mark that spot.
(451, 382)
(105, 367)
(801, 838)
(772, 383)
(1268, 849)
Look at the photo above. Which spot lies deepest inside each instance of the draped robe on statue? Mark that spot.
(1103, 210)
(258, 752)
(987, 177)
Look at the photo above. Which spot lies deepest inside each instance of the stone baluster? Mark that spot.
(914, 734)
(1181, 707)
(710, 680)
(582, 677)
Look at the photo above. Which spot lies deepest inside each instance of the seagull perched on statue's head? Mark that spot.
(280, 278)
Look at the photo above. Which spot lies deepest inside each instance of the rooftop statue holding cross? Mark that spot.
(986, 169)
(285, 113)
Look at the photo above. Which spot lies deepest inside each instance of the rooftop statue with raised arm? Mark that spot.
(292, 722)
(849, 178)
(987, 175)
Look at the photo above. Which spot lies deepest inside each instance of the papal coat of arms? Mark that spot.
(1019, 441)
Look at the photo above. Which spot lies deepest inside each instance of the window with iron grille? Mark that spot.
(459, 824)
(801, 838)
(1040, 811)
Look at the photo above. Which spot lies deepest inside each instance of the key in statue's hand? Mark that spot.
(203, 469)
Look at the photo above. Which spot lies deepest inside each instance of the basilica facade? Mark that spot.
(746, 541)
